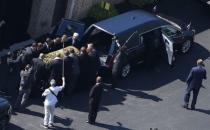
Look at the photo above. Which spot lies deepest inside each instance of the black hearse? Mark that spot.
(139, 31)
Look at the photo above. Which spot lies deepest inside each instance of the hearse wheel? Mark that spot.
(125, 71)
(186, 46)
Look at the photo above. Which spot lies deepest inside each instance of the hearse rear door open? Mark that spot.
(169, 48)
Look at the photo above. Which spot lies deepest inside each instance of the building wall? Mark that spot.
(41, 17)
(82, 7)
(43, 11)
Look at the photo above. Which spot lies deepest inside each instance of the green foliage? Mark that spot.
(102, 11)
(141, 3)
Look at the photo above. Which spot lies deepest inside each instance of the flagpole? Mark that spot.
(63, 62)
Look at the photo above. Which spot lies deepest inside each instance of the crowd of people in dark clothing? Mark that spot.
(35, 75)
(75, 70)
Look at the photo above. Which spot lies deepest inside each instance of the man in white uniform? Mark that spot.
(50, 102)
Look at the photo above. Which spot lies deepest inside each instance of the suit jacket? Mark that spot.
(75, 43)
(12, 62)
(38, 69)
(75, 64)
(196, 76)
(47, 48)
(26, 78)
(56, 69)
(84, 63)
(68, 61)
(96, 93)
(28, 55)
(95, 61)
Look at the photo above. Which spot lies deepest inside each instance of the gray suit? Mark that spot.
(194, 82)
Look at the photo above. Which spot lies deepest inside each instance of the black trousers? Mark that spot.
(93, 109)
(187, 96)
(22, 98)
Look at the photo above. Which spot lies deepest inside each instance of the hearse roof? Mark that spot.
(127, 21)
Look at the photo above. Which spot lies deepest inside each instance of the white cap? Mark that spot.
(75, 35)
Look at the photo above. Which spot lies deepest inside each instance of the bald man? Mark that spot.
(94, 99)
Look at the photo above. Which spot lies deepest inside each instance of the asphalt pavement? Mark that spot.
(148, 98)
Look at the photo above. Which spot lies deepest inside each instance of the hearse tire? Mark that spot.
(186, 46)
(125, 70)
(122, 71)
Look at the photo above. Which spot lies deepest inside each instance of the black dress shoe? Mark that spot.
(192, 107)
(185, 106)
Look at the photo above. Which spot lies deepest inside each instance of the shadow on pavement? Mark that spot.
(13, 127)
(33, 113)
(111, 127)
(65, 122)
(203, 111)
(80, 102)
(143, 95)
(59, 128)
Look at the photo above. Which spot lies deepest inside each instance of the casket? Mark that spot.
(48, 57)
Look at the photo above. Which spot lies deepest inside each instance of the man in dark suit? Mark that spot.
(14, 67)
(75, 70)
(40, 49)
(25, 87)
(39, 74)
(13, 64)
(73, 41)
(68, 61)
(85, 69)
(47, 45)
(57, 44)
(55, 69)
(94, 99)
(194, 82)
(28, 54)
(95, 63)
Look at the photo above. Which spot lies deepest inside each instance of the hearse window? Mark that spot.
(95, 31)
(133, 41)
(170, 31)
